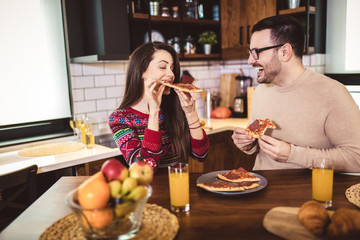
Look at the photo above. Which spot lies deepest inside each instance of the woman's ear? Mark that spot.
(286, 52)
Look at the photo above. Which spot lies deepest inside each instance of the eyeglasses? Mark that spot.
(255, 51)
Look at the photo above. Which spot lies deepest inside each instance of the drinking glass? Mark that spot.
(322, 180)
(179, 187)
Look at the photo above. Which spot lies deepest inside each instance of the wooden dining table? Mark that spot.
(212, 215)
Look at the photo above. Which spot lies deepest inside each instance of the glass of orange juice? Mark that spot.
(322, 180)
(179, 187)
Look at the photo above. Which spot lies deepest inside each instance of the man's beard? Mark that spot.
(271, 72)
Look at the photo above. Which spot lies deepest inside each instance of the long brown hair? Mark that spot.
(175, 123)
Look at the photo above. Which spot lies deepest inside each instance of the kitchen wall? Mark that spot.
(97, 88)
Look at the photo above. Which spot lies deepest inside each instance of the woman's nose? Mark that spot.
(170, 73)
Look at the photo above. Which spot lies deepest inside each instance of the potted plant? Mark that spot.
(208, 38)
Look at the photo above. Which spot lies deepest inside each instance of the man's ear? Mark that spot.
(286, 52)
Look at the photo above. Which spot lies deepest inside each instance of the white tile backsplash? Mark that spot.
(78, 95)
(84, 107)
(113, 92)
(94, 69)
(104, 80)
(106, 104)
(76, 69)
(95, 93)
(83, 82)
(98, 88)
(115, 68)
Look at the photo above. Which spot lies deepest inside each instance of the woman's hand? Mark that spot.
(153, 93)
(187, 101)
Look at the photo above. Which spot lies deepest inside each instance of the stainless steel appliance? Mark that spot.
(240, 101)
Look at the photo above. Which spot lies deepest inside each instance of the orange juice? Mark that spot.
(179, 189)
(322, 184)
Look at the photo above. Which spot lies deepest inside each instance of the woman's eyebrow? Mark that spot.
(163, 61)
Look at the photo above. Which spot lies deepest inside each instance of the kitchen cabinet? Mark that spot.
(147, 25)
(97, 30)
(237, 19)
(110, 30)
(312, 16)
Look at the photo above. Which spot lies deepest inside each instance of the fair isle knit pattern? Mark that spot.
(137, 142)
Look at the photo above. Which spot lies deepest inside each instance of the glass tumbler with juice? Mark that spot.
(322, 181)
(179, 187)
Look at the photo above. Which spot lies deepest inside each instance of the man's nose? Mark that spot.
(251, 60)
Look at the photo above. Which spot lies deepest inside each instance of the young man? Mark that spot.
(314, 115)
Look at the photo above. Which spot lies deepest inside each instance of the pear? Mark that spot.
(115, 188)
(128, 185)
(121, 210)
(138, 193)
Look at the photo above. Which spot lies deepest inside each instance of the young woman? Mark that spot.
(154, 123)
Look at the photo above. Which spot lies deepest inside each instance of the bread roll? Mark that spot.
(314, 217)
(345, 223)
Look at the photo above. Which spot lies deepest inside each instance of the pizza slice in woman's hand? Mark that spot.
(259, 126)
(185, 87)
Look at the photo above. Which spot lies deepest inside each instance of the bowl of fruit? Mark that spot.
(110, 203)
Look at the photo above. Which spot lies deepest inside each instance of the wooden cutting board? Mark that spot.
(227, 89)
(283, 222)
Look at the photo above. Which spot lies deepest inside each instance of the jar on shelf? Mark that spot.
(165, 12)
(175, 11)
(189, 47)
(176, 45)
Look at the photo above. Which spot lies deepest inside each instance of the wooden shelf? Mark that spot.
(140, 16)
(144, 16)
(201, 21)
(203, 56)
(301, 9)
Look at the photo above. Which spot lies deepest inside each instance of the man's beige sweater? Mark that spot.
(316, 115)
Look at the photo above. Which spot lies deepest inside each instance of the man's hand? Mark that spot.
(277, 150)
(242, 139)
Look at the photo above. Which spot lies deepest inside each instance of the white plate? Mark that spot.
(155, 36)
(211, 177)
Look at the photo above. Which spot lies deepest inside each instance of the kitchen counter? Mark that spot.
(11, 161)
(221, 125)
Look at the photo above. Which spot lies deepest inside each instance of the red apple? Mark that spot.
(114, 170)
(141, 171)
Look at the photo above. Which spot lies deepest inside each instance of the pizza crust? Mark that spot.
(225, 187)
(255, 179)
(238, 175)
(191, 88)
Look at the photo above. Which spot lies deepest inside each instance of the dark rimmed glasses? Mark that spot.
(255, 51)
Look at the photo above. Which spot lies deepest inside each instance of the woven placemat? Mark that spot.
(51, 149)
(156, 223)
(353, 194)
